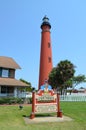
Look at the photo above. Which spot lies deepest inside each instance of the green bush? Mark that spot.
(11, 100)
(2, 101)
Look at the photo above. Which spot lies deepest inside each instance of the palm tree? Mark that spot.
(61, 74)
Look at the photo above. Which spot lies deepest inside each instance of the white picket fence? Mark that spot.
(75, 97)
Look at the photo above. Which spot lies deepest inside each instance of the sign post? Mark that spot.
(33, 106)
(45, 101)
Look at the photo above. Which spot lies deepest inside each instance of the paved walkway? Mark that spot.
(46, 119)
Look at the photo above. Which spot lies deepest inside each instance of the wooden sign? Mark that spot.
(45, 101)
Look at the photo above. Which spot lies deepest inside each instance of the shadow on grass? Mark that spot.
(41, 115)
(25, 116)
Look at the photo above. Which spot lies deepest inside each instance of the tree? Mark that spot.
(53, 78)
(29, 88)
(60, 74)
(76, 80)
(68, 84)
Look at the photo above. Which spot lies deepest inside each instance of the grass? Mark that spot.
(11, 118)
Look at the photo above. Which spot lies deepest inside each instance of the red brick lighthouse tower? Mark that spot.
(46, 52)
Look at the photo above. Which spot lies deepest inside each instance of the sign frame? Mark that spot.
(45, 102)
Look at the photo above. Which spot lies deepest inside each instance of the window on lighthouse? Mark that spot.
(48, 44)
(49, 59)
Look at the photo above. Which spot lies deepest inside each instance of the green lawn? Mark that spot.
(11, 118)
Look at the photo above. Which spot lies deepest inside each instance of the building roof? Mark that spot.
(12, 82)
(8, 62)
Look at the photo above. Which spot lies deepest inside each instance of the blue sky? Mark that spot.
(20, 33)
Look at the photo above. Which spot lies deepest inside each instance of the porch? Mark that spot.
(11, 91)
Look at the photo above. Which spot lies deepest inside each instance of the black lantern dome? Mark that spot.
(45, 21)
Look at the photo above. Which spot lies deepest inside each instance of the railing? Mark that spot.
(76, 97)
(6, 95)
(25, 95)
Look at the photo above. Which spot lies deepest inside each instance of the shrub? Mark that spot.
(10, 100)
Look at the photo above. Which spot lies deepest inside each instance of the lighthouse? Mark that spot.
(45, 100)
(46, 52)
